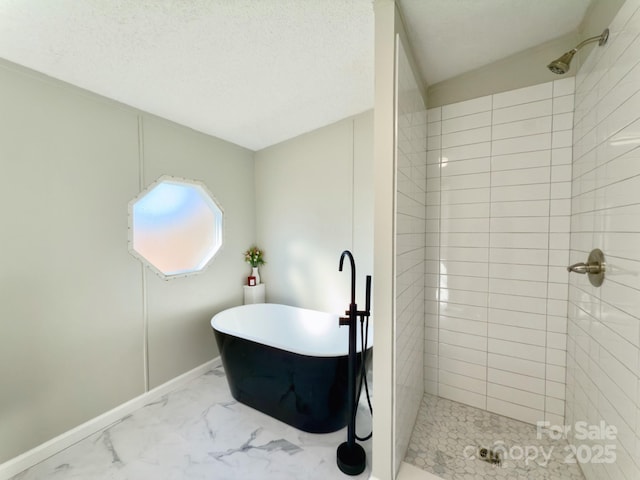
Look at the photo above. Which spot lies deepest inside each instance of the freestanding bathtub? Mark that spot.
(288, 362)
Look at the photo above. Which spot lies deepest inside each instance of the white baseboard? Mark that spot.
(43, 451)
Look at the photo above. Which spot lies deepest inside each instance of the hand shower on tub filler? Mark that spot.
(351, 457)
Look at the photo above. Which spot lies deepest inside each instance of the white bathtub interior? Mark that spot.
(294, 329)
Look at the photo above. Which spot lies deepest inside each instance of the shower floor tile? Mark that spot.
(448, 435)
(200, 431)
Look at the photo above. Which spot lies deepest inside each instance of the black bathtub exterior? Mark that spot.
(308, 393)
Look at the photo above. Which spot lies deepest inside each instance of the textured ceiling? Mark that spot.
(256, 72)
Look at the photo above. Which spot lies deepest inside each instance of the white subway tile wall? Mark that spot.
(498, 222)
(432, 255)
(603, 343)
(411, 172)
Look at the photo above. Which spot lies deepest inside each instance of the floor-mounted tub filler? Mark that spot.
(350, 456)
(288, 362)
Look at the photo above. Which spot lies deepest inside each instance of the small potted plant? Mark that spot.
(255, 257)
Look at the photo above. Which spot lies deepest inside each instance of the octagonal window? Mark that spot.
(175, 227)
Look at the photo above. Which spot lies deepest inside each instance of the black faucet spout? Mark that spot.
(347, 253)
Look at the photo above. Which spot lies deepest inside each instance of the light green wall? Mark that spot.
(525, 68)
(74, 304)
(598, 17)
(179, 311)
(314, 199)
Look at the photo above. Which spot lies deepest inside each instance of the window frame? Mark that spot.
(210, 198)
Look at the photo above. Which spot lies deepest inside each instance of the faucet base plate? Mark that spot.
(351, 459)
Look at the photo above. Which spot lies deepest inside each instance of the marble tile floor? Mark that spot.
(200, 432)
(447, 433)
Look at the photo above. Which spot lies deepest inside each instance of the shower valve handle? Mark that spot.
(595, 267)
(582, 267)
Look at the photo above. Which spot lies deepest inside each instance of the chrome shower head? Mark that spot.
(561, 65)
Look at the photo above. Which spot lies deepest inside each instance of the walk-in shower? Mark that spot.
(562, 64)
(497, 202)
(520, 356)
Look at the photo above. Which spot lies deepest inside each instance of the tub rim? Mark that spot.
(341, 334)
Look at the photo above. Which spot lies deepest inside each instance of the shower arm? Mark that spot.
(602, 39)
